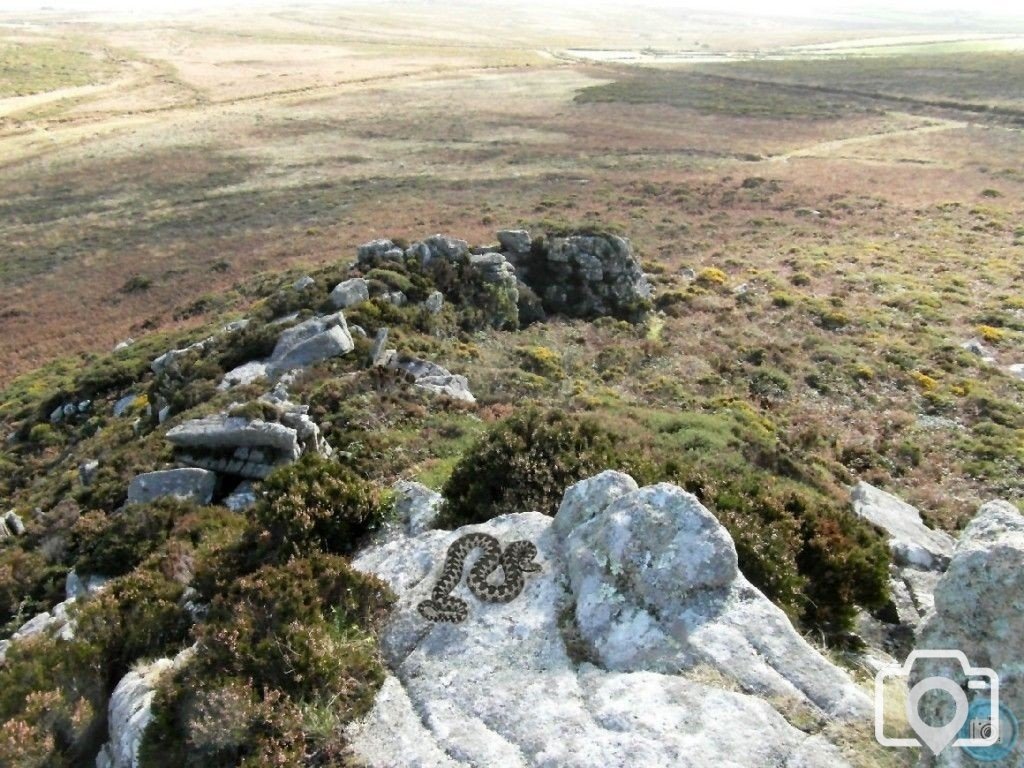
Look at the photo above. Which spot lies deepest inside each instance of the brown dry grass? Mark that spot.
(219, 148)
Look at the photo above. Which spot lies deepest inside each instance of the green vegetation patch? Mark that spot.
(713, 95)
(27, 68)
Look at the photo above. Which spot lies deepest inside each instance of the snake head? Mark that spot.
(522, 553)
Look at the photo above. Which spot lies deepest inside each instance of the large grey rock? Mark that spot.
(658, 588)
(515, 240)
(131, 708)
(246, 373)
(502, 688)
(453, 386)
(979, 610)
(368, 252)
(310, 342)
(588, 497)
(220, 431)
(911, 541)
(189, 484)
(350, 293)
(586, 276)
(441, 247)
(416, 506)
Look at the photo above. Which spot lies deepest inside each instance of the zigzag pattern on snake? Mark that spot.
(514, 561)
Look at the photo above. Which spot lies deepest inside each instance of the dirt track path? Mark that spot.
(831, 148)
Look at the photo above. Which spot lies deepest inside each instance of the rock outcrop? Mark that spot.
(431, 377)
(919, 556)
(349, 293)
(604, 658)
(309, 342)
(978, 611)
(187, 484)
(131, 708)
(416, 506)
(583, 275)
(244, 446)
(911, 541)
(57, 621)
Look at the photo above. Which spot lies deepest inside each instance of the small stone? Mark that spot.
(434, 302)
(87, 471)
(303, 283)
(243, 497)
(378, 347)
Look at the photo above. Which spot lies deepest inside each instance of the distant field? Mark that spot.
(976, 78)
(27, 68)
(712, 95)
(824, 88)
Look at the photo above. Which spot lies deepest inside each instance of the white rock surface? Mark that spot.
(349, 293)
(309, 342)
(416, 505)
(190, 484)
(658, 588)
(130, 710)
(911, 541)
(502, 689)
(979, 609)
(246, 373)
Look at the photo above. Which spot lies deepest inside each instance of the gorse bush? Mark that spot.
(525, 463)
(318, 502)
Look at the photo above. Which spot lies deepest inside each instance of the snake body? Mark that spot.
(515, 560)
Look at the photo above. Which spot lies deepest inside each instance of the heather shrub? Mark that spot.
(277, 644)
(114, 544)
(54, 693)
(318, 502)
(525, 463)
(28, 584)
